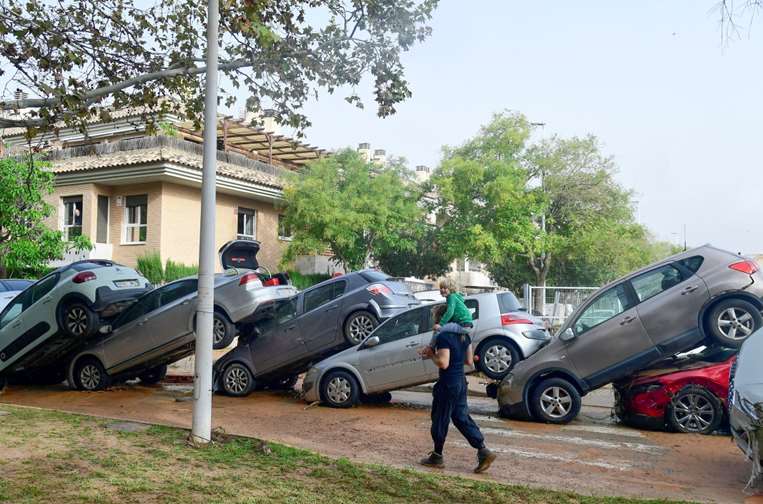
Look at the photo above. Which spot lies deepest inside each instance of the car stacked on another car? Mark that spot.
(158, 328)
(687, 393)
(388, 359)
(285, 336)
(746, 405)
(62, 310)
(670, 307)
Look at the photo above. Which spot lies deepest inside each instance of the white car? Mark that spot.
(10, 288)
(62, 309)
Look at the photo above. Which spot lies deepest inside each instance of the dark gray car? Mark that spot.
(746, 405)
(669, 307)
(288, 335)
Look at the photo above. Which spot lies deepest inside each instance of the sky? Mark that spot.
(679, 111)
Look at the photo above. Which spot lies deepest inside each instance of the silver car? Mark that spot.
(388, 359)
(158, 328)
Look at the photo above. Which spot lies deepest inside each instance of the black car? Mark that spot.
(282, 338)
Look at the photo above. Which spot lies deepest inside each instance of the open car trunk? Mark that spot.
(240, 254)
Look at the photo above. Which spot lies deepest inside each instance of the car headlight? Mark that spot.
(752, 409)
(536, 334)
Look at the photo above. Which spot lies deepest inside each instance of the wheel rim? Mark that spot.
(498, 358)
(218, 330)
(339, 390)
(360, 327)
(236, 380)
(735, 323)
(76, 321)
(556, 402)
(694, 413)
(90, 376)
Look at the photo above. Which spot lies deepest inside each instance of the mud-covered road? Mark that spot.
(590, 456)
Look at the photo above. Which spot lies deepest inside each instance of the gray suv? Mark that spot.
(503, 334)
(666, 308)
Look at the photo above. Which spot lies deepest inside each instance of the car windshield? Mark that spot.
(508, 302)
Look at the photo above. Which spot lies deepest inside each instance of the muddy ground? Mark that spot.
(590, 456)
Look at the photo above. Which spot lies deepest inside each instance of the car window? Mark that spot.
(508, 302)
(609, 304)
(322, 295)
(692, 263)
(404, 325)
(44, 286)
(177, 290)
(15, 308)
(17, 285)
(374, 276)
(339, 288)
(142, 306)
(659, 280)
(473, 307)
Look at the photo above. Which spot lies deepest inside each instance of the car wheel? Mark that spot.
(153, 375)
(89, 374)
(78, 320)
(339, 389)
(237, 380)
(223, 331)
(695, 410)
(359, 325)
(380, 398)
(555, 401)
(496, 358)
(732, 321)
(285, 383)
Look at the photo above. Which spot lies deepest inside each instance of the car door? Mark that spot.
(670, 299)
(279, 342)
(610, 340)
(319, 320)
(128, 337)
(395, 361)
(29, 317)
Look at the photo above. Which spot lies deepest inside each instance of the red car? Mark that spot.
(685, 394)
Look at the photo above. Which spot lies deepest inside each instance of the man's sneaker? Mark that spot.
(484, 458)
(433, 460)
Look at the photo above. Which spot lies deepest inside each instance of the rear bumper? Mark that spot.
(517, 411)
(110, 301)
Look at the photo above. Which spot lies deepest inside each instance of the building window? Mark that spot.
(247, 224)
(284, 231)
(72, 217)
(136, 219)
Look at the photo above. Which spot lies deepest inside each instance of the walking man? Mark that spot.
(450, 351)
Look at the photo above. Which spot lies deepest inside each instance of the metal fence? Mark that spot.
(555, 304)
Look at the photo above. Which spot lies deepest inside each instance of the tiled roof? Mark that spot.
(159, 154)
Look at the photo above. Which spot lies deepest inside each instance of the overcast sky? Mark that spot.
(680, 113)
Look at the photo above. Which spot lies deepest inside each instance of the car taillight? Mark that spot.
(748, 267)
(83, 276)
(249, 278)
(271, 282)
(509, 319)
(377, 289)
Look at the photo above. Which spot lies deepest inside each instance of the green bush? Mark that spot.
(150, 266)
(174, 271)
(301, 281)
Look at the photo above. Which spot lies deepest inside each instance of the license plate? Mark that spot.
(126, 283)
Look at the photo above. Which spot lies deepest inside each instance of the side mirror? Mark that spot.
(567, 335)
(371, 342)
(106, 329)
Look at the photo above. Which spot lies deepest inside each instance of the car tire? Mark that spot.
(496, 357)
(90, 375)
(339, 389)
(78, 320)
(285, 383)
(732, 320)
(556, 401)
(694, 410)
(223, 331)
(153, 375)
(359, 325)
(237, 380)
(380, 398)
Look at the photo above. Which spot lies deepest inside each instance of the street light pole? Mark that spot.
(201, 431)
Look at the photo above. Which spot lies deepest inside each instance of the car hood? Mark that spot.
(240, 254)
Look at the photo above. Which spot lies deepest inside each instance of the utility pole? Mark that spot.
(542, 126)
(201, 431)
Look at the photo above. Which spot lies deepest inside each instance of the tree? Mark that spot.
(425, 258)
(352, 208)
(75, 56)
(26, 244)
